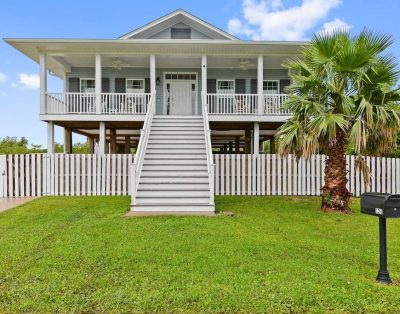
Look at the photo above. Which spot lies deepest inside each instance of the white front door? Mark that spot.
(181, 98)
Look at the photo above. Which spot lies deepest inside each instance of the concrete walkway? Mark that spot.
(11, 202)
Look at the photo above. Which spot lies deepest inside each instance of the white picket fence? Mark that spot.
(235, 174)
(275, 175)
(64, 174)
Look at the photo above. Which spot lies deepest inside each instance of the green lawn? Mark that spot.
(280, 254)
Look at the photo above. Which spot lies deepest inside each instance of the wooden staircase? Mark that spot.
(175, 176)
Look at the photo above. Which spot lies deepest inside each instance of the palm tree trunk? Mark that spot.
(335, 196)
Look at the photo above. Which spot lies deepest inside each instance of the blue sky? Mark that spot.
(272, 19)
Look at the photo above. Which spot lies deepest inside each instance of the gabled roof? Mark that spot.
(175, 17)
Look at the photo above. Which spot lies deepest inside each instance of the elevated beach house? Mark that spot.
(174, 91)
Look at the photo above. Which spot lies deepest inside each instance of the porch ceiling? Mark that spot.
(169, 61)
(136, 51)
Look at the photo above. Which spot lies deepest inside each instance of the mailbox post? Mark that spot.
(383, 274)
(384, 206)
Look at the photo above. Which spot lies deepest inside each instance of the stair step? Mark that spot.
(165, 186)
(176, 146)
(172, 209)
(175, 150)
(178, 141)
(164, 132)
(176, 129)
(163, 167)
(173, 180)
(177, 123)
(174, 156)
(173, 194)
(172, 117)
(172, 200)
(174, 174)
(180, 162)
(183, 137)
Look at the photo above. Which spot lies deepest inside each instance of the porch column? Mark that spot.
(237, 144)
(43, 82)
(113, 141)
(50, 137)
(67, 141)
(102, 138)
(152, 73)
(247, 140)
(127, 146)
(203, 78)
(260, 80)
(90, 141)
(98, 83)
(256, 138)
(204, 73)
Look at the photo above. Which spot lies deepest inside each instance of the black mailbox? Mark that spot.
(384, 206)
(381, 204)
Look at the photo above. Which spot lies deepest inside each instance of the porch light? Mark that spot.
(158, 81)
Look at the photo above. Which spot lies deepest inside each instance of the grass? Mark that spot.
(280, 254)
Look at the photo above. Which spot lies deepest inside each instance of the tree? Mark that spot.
(12, 145)
(342, 95)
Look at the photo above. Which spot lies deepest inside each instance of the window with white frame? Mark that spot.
(271, 87)
(226, 86)
(88, 85)
(135, 85)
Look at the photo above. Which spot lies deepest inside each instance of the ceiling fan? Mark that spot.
(118, 64)
(244, 64)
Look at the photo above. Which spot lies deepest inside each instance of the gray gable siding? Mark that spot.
(166, 33)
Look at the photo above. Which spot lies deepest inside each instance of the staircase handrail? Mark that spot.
(207, 137)
(140, 150)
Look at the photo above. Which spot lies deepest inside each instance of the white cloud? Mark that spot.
(3, 77)
(335, 25)
(271, 20)
(29, 81)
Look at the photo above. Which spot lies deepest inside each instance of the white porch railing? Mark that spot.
(273, 104)
(136, 167)
(125, 103)
(85, 103)
(245, 104)
(207, 135)
(232, 103)
(65, 103)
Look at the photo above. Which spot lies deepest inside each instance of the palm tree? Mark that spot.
(342, 95)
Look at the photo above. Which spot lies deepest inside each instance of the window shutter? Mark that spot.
(120, 85)
(105, 85)
(240, 86)
(282, 86)
(253, 86)
(147, 85)
(73, 85)
(211, 86)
